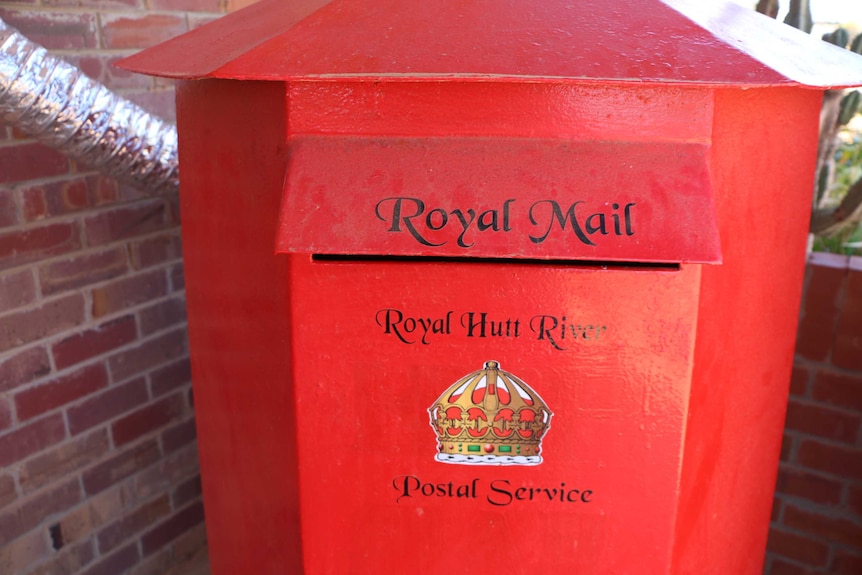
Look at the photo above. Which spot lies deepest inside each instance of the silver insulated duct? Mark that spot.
(54, 102)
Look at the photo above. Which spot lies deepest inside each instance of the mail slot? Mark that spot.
(493, 286)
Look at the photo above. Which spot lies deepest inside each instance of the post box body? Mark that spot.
(666, 385)
(479, 326)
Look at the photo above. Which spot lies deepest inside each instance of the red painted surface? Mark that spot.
(314, 375)
(654, 41)
(505, 197)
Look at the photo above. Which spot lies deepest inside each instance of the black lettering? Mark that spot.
(556, 214)
(616, 218)
(390, 324)
(483, 225)
(502, 491)
(444, 219)
(543, 328)
(398, 217)
(405, 488)
(465, 225)
(600, 227)
(470, 325)
(627, 216)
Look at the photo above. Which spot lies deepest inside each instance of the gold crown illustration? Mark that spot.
(490, 417)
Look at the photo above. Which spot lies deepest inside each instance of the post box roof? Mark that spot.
(639, 41)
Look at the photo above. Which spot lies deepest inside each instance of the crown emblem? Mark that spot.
(490, 417)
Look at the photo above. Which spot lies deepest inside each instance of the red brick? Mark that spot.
(799, 380)
(167, 531)
(158, 102)
(847, 349)
(23, 367)
(54, 30)
(118, 562)
(147, 419)
(20, 554)
(104, 190)
(129, 193)
(780, 567)
(174, 209)
(93, 342)
(53, 465)
(26, 440)
(33, 205)
(839, 461)
(8, 494)
(65, 389)
(838, 389)
(234, 5)
(788, 445)
(67, 196)
(29, 514)
(823, 421)
(132, 523)
(16, 289)
(120, 466)
(152, 353)
(854, 498)
(193, 543)
(129, 291)
(178, 282)
(23, 162)
(32, 244)
(33, 324)
(171, 377)
(178, 436)
(162, 315)
(5, 413)
(832, 527)
(819, 311)
(8, 213)
(124, 32)
(198, 20)
(126, 221)
(847, 562)
(797, 547)
(102, 68)
(97, 3)
(83, 270)
(107, 405)
(67, 561)
(188, 5)
(154, 251)
(776, 509)
(83, 522)
(170, 472)
(805, 485)
(186, 492)
(158, 563)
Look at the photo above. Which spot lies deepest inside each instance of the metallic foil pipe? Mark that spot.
(54, 102)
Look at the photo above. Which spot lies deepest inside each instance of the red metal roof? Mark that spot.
(647, 41)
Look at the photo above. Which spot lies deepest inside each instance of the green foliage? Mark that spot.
(848, 170)
(834, 182)
(839, 37)
(849, 107)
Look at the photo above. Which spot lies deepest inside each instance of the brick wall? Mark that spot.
(817, 517)
(98, 463)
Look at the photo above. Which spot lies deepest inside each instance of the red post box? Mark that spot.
(483, 287)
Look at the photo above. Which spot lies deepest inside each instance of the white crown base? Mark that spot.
(460, 459)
